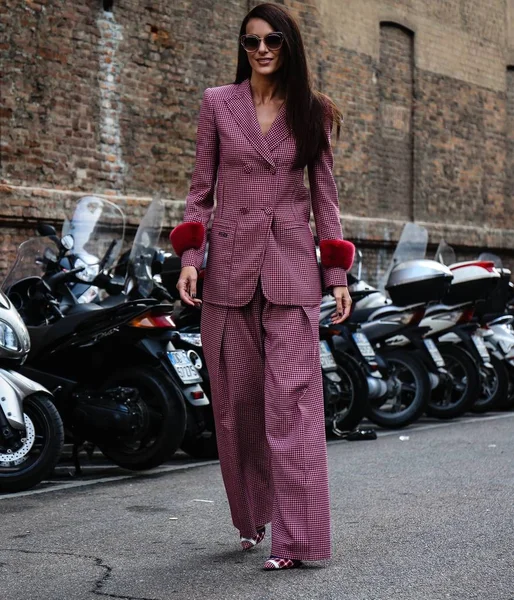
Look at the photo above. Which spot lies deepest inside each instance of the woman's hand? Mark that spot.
(186, 286)
(343, 302)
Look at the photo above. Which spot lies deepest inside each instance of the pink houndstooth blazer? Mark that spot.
(261, 225)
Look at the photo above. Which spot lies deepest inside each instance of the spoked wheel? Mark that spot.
(161, 417)
(454, 400)
(344, 395)
(28, 459)
(494, 386)
(408, 388)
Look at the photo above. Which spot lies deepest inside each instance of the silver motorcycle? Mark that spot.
(31, 430)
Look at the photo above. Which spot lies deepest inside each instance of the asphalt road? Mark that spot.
(425, 518)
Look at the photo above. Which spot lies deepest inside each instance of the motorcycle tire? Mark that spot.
(460, 397)
(351, 403)
(494, 387)
(165, 402)
(42, 457)
(410, 384)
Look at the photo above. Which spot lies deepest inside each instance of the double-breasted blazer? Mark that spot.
(261, 219)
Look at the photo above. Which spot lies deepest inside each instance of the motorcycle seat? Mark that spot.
(82, 308)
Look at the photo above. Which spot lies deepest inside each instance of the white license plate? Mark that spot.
(363, 344)
(184, 367)
(481, 347)
(327, 360)
(434, 353)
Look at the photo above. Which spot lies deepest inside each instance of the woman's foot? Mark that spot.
(274, 562)
(249, 543)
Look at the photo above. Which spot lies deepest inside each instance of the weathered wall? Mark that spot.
(93, 101)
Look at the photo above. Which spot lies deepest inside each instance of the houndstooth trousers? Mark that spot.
(267, 395)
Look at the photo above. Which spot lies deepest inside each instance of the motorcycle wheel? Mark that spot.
(344, 401)
(460, 397)
(494, 387)
(409, 391)
(164, 402)
(45, 440)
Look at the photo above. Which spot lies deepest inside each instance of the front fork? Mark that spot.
(14, 388)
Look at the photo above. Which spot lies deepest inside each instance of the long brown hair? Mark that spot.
(306, 109)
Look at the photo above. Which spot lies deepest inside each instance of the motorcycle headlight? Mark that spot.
(89, 272)
(191, 338)
(8, 337)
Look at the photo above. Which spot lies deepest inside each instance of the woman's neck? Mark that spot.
(265, 89)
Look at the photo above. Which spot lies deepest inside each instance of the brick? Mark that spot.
(109, 105)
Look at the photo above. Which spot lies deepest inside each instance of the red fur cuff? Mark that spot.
(186, 236)
(337, 253)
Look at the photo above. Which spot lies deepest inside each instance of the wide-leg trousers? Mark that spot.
(267, 394)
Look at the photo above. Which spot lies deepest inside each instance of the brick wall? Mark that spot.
(107, 102)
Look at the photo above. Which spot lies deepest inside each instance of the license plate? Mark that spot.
(434, 353)
(365, 348)
(481, 348)
(184, 367)
(327, 360)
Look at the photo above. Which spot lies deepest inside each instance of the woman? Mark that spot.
(262, 286)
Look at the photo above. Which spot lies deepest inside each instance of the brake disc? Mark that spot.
(9, 459)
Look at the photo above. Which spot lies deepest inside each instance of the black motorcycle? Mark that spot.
(113, 370)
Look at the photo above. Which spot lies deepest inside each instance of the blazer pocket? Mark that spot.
(221, 245)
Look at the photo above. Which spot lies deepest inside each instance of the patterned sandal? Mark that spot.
(249, 543)
(274, 562)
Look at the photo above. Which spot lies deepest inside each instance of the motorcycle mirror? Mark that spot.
(67, 242)
(46, 230)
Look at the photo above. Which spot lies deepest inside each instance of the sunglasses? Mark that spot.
(272, 41)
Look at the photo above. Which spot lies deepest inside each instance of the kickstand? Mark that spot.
(355, 434)
(76, 459)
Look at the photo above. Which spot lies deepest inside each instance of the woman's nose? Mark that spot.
(262, 47)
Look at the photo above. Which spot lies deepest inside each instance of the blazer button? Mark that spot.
(268, 210)
(247, 168)
(244, 210)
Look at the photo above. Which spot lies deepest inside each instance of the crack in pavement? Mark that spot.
(99, 583)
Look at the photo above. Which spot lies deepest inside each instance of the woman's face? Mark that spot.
(263, 61)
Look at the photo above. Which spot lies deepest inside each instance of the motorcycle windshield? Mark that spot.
(145, 243)
(31, 260)
(494, 258)
(445, 254)
(412, 245)
(98, 230)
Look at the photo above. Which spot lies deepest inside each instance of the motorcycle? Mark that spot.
(403, 368)
(31, 430)
(456, 327)
(112, 369)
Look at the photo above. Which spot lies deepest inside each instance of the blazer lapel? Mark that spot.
(243, 110)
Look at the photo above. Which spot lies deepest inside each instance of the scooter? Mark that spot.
(31, 430)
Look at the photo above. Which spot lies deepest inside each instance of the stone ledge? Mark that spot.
(22, 206)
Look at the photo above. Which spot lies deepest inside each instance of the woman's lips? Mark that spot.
(264, 61)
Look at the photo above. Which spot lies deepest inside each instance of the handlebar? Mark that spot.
(54, 280)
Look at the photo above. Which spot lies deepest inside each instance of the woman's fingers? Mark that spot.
(343, 304)
(186, 286)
